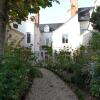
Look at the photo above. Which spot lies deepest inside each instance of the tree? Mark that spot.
(17, 10)
(95, 19)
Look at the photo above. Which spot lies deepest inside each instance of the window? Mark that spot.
(41, 54)
(28, 37)
(47, 41)
(46, 28)
(15, 25)
(64, 38)
(83, 30)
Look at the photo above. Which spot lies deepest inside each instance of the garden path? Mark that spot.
(50, 87)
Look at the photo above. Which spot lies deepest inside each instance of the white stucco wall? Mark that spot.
(84, 24)
(72, 29)
(86, 37)
(24, 27)
(36, 39)
(29, 26)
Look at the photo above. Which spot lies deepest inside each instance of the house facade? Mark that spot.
(74, 32)
(70, 35)
(30, 28)
(67, 35)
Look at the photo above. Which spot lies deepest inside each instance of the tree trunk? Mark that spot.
(2, 25)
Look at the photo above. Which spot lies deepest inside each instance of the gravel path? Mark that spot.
(50, 87)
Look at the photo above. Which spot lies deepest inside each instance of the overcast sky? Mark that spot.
(58, 13)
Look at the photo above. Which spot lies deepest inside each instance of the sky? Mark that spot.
(58, 12)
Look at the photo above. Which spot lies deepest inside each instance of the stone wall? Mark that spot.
(15, 38)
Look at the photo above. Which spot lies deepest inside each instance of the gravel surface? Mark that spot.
(50, 87)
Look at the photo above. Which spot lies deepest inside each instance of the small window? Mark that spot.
(15, 25)
(41, 54)
(47, 41)
(28, 37)
(64, 38)
(83, 30)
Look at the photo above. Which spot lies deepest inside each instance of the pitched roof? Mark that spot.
(84, 13)
(52, 27)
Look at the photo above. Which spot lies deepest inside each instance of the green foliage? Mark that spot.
(63, 58)
(79, 94)
(16, 73)
(95, 86)
(95, 19)
(17, 10)
(95, 57)
(81, 56)
(94, 42)
(82, 69)
(48, 49)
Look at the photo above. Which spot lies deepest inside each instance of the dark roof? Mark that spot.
(52, 27)
(84, 13)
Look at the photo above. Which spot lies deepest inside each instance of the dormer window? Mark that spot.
(46, 28)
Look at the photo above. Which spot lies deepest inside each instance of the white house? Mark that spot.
(67, 35)
(74, 32)
(46, 33)
(30, 28)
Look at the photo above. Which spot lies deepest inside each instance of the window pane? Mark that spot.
(42, 54)
(47, 41)
(28, 37)
(64, 38)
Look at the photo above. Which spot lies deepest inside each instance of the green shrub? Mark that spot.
(95, 87)
(34, 72)
(79, 94)
(15, 72)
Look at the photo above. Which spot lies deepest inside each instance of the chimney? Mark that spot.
(37, 17)
(74, 7)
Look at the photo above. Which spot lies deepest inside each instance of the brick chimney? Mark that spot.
(74, 7)
(35, 19)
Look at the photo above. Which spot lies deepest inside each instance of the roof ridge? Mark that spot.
(51, 23)
(86, 7)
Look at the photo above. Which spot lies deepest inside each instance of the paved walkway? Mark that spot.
(50, 87)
